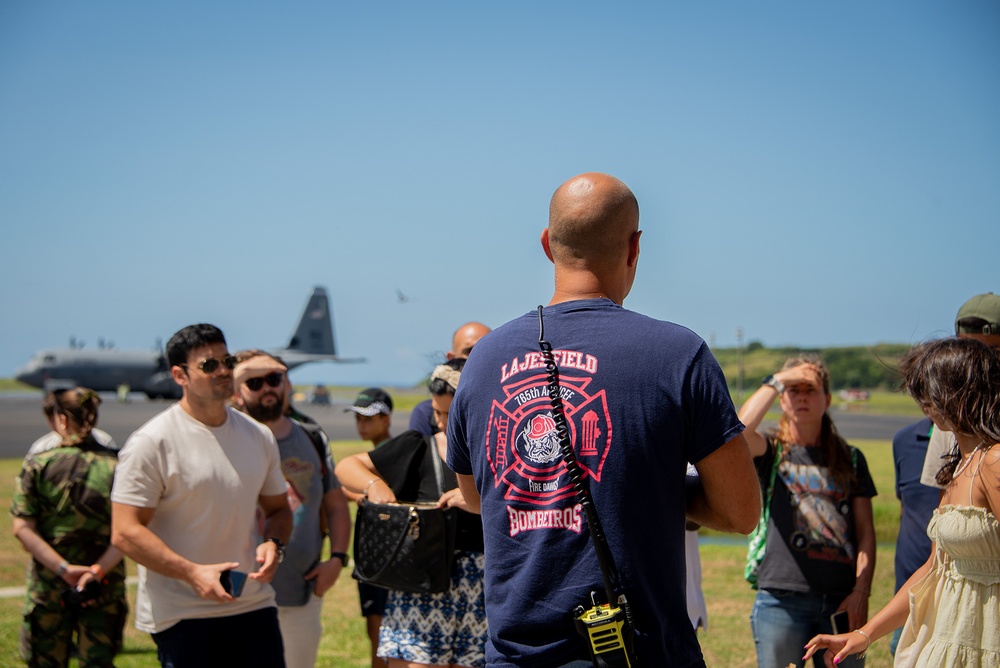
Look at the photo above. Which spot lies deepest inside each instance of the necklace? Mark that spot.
(968, 460)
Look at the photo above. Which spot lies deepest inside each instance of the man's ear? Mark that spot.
(179, 375)
(545, 245)
(633, 248)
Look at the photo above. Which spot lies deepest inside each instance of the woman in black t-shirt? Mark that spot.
(447, 629)
(820, 548)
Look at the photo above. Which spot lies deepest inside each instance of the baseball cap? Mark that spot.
(985, 308)
(371, 402)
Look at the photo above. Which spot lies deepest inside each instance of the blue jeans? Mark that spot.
(784, 621)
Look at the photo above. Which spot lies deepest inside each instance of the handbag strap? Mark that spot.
(769, 492)
(436, 461)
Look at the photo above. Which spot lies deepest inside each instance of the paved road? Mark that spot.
(21, 421)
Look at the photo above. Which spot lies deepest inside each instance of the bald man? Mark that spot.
(642, 398)
(462, 341)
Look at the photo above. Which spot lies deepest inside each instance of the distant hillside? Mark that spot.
(859, 367)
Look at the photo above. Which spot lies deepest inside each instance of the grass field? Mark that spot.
(726, 643)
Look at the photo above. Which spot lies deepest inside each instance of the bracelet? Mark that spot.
(62, 568)
(97, 571)
(340, 555)
(868, 646)
(370, 483)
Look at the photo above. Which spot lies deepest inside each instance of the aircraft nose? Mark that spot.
(27, 375)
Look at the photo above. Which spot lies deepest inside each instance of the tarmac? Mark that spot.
(21, 419)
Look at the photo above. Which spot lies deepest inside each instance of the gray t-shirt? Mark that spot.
(306, 486)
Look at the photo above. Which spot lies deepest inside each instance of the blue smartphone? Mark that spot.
(233, 582)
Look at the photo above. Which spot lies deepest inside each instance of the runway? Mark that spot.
(21, 421)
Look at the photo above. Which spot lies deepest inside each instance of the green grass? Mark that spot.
(727, 642)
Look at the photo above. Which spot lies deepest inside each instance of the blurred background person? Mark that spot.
(820, 551)
(54, 440)
(62, 516)
(373, 417)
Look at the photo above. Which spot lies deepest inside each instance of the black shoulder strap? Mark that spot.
(315, 434)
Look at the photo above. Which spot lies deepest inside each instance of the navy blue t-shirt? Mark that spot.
(642, 397)
(913, 546)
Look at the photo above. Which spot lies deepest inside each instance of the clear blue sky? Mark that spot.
(815, 173)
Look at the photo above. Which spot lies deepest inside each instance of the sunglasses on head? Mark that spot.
(211, 365)
(275, 379)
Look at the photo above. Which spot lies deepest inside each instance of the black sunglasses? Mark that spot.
(275, 379)
(211, 365)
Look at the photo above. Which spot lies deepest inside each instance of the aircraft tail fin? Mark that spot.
(314, 334)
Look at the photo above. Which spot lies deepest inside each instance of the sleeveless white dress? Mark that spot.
(954, 616)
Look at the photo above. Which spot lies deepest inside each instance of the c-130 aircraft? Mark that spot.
(105, 370)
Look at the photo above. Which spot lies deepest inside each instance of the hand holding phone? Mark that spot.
(233, 582)
(841, 622)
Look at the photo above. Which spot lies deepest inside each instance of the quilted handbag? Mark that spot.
(405, 546)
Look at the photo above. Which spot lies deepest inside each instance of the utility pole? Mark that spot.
(739, 346)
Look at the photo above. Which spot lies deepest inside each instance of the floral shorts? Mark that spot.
(447, 628)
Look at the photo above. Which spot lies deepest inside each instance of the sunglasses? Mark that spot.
(211, 365)
(275, 379)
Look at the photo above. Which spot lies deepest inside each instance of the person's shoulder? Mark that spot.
(913, 431)
(408, 439)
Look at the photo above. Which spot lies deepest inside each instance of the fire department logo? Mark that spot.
(522, 442)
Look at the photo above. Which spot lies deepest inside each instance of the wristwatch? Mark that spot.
(774, 382)
(340, 555)
(281, 547)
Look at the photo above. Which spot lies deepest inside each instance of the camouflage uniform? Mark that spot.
(66, 492)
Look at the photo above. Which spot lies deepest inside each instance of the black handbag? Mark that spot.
(406, 546)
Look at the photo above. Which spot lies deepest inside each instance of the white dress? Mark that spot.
(955, 609)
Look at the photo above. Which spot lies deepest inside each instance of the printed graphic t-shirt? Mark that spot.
(306, 487)
(642, 398)
(811, 543)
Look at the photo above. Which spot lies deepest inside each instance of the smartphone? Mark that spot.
(233, 582)
(840, 622)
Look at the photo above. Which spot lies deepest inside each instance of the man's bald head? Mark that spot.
(465, 338)
(592, 218)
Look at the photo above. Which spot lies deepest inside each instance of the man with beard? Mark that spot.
(184, 507)
(262, 390)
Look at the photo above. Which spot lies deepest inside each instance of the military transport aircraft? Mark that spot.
(106, 369)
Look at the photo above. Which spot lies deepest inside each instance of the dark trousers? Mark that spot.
(250, 640)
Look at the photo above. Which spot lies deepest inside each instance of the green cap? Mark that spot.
(979, 315)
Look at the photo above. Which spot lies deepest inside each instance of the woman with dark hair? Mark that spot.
(443, 630)
(62, 516)
(819, 551)
(951, 604)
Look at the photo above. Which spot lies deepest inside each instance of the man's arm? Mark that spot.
(131, 535)
(277, 524)
(338, 519)
(728, 498)
(467, 484)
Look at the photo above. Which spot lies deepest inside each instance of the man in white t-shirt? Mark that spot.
(186, 492)
(978, 318)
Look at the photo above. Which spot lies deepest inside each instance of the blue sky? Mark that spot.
(813, 173)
